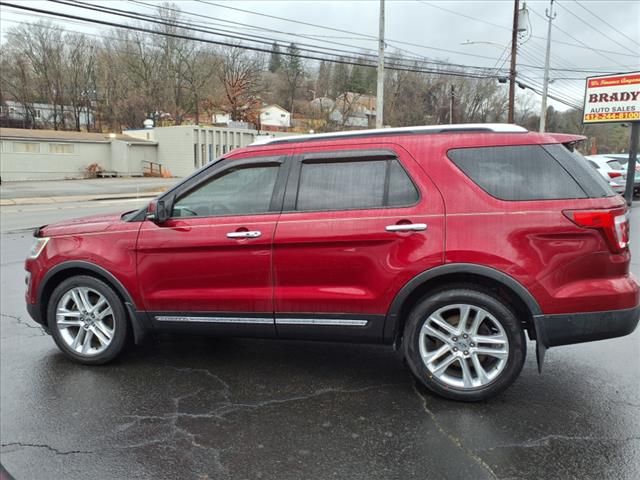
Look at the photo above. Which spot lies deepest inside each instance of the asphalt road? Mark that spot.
(95, 186)
(204, 408)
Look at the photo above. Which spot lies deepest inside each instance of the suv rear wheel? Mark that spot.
(464, 344)
(87, 320)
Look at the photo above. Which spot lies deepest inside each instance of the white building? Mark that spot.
(275, 116)
(15, 114)
(52, 155)
(49, 155)
(185, 148)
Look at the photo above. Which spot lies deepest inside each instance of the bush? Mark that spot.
(93, 170)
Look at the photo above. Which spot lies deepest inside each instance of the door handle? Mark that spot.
(249, 234)
(406, 227)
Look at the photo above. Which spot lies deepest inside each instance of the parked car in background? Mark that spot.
(447, 242)
(623, 159)
(611, 170)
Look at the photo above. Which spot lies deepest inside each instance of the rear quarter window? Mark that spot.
(526, 172)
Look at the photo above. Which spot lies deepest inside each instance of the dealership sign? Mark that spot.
(612, 98)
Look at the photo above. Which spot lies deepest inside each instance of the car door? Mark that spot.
(210, 263)
(357, 225)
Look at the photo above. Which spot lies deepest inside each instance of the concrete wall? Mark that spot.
(127, 158)
(185, 148)
(45, 165)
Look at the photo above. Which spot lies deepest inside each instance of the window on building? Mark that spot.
(65, 148)
(195, 155)
(226, 194)
(26, 147)
(38, 113)
(282, 115)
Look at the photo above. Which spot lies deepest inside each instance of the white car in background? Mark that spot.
(611, 170)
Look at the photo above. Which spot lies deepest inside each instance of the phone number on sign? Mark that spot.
(590, 117)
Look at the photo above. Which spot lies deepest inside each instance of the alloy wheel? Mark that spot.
(85, 321)
(463, 346)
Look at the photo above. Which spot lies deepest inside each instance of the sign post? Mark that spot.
(616, 98)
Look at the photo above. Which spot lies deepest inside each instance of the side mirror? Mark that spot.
(158, 211)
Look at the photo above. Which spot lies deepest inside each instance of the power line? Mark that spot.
(189, 26)
(574, 38)
(600, 31)
(245, 47)
(602, 20)
(288, 20)
(503, 27)
(262, 40)
(423, 58)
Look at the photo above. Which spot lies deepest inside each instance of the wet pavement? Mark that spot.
(185, 407)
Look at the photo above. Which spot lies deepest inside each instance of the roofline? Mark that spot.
(426, 129)
(51, 139)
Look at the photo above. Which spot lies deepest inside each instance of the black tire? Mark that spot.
(485, 300)
(118, 320)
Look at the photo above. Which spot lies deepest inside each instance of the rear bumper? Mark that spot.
(34, 312)
(567, 329)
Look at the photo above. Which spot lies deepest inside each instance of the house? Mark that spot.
(274, 117)
(27, 154)
(41, 115)
(220, 117)
(354, 110)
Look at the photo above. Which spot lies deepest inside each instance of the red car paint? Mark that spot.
(345, 261)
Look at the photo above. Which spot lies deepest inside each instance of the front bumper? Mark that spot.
(567, 329)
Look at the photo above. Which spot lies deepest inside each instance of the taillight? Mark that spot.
(614, 174)
(613, 224)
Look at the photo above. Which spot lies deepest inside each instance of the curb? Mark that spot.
(76, 198)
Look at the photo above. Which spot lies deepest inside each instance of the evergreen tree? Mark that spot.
(340, 79)
(357, 80)
(275, 62)
(323, 84)
(293, 73)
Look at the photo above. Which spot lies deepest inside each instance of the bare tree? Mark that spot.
(240, 75)
(80, 66)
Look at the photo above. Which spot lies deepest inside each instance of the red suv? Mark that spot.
(449, 242)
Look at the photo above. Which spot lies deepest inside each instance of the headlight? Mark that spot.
(38, 246)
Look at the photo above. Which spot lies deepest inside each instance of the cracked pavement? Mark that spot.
(220, 408)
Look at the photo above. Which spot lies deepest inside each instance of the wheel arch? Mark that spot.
(66, 270)
(445, 276)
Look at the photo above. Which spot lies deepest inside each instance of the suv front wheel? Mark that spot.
(87, 320)
(464, 344)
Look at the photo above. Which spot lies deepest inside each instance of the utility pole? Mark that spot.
(453, 96)
(380, 87)
(633, 158)
(545, 87)
(512, 69)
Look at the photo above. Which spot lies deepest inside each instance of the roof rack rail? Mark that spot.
(426, 129)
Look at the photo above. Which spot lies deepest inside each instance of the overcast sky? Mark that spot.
(588, 35)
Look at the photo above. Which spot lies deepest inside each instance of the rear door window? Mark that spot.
(357, 184)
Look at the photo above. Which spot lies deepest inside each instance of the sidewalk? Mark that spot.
(64, 191)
